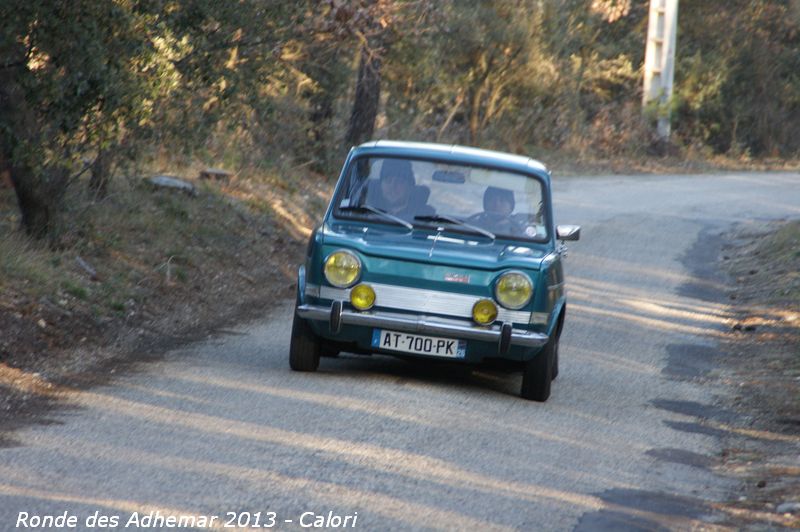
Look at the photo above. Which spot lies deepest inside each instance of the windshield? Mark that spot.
(430, 193)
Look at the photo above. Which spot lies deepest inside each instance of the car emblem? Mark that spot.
(456, 277)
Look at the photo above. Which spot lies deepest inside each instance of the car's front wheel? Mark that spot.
(555, 362)
(558, 339)
(305, 347)
(538, 373)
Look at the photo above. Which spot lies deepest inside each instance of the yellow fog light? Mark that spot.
(484, 312)
(342, 268)
(362, 296)
(513, 290)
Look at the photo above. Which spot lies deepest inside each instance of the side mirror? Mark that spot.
(568, 232)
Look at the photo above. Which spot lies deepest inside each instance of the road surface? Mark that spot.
(629, 437)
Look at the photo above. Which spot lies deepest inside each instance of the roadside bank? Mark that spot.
(762, 362)
(136, 273)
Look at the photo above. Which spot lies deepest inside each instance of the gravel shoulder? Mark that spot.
(762, 362)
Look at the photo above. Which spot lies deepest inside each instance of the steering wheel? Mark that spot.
(475, 217)
(502, 224)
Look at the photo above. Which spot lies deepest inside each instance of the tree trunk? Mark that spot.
(39, 190)
(368, 92)
(39, 198)
(474, 116)
(101, 173)
(323, 66)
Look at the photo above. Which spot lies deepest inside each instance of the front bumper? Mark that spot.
(501, 334)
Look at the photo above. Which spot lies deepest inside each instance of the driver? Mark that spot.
(396, 184)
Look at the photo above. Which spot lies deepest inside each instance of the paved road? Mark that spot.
(628, 438)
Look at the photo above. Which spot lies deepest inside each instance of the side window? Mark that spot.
(356, 182)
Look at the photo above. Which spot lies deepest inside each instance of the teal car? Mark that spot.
(436, 252)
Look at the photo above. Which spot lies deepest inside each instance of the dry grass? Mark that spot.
(24, 263)
(141, 269)
(139, 241)
(166, 264)
(784, 245)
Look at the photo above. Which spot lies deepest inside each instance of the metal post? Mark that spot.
(659, 60)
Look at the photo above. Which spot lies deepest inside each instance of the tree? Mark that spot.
(739, 89)
(367, 94)
(369, 22)
(59, 63)
(91, 79)
(475, 56)
(38, 196)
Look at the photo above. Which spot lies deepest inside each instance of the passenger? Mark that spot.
(498, 204)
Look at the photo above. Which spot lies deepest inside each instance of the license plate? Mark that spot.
(418, 344)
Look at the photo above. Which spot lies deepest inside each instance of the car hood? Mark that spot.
(429, 246)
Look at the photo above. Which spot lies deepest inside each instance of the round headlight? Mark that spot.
(362, 296)
(484, 311)
(513, 290)
(342, 268)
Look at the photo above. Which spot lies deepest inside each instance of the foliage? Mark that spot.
(475, 59)
(739, 89)
(98, 85)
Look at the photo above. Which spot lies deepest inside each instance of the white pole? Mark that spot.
(659, 60)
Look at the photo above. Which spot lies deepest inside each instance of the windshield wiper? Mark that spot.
(379, 212)
(455, 221)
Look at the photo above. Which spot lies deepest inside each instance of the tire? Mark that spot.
(558, 341)
(555, 361)
(304, 349)
(538, 374)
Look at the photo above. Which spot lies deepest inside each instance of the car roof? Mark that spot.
(452, 152)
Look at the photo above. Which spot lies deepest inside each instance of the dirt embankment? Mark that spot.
(763, 361)
(142, 270)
